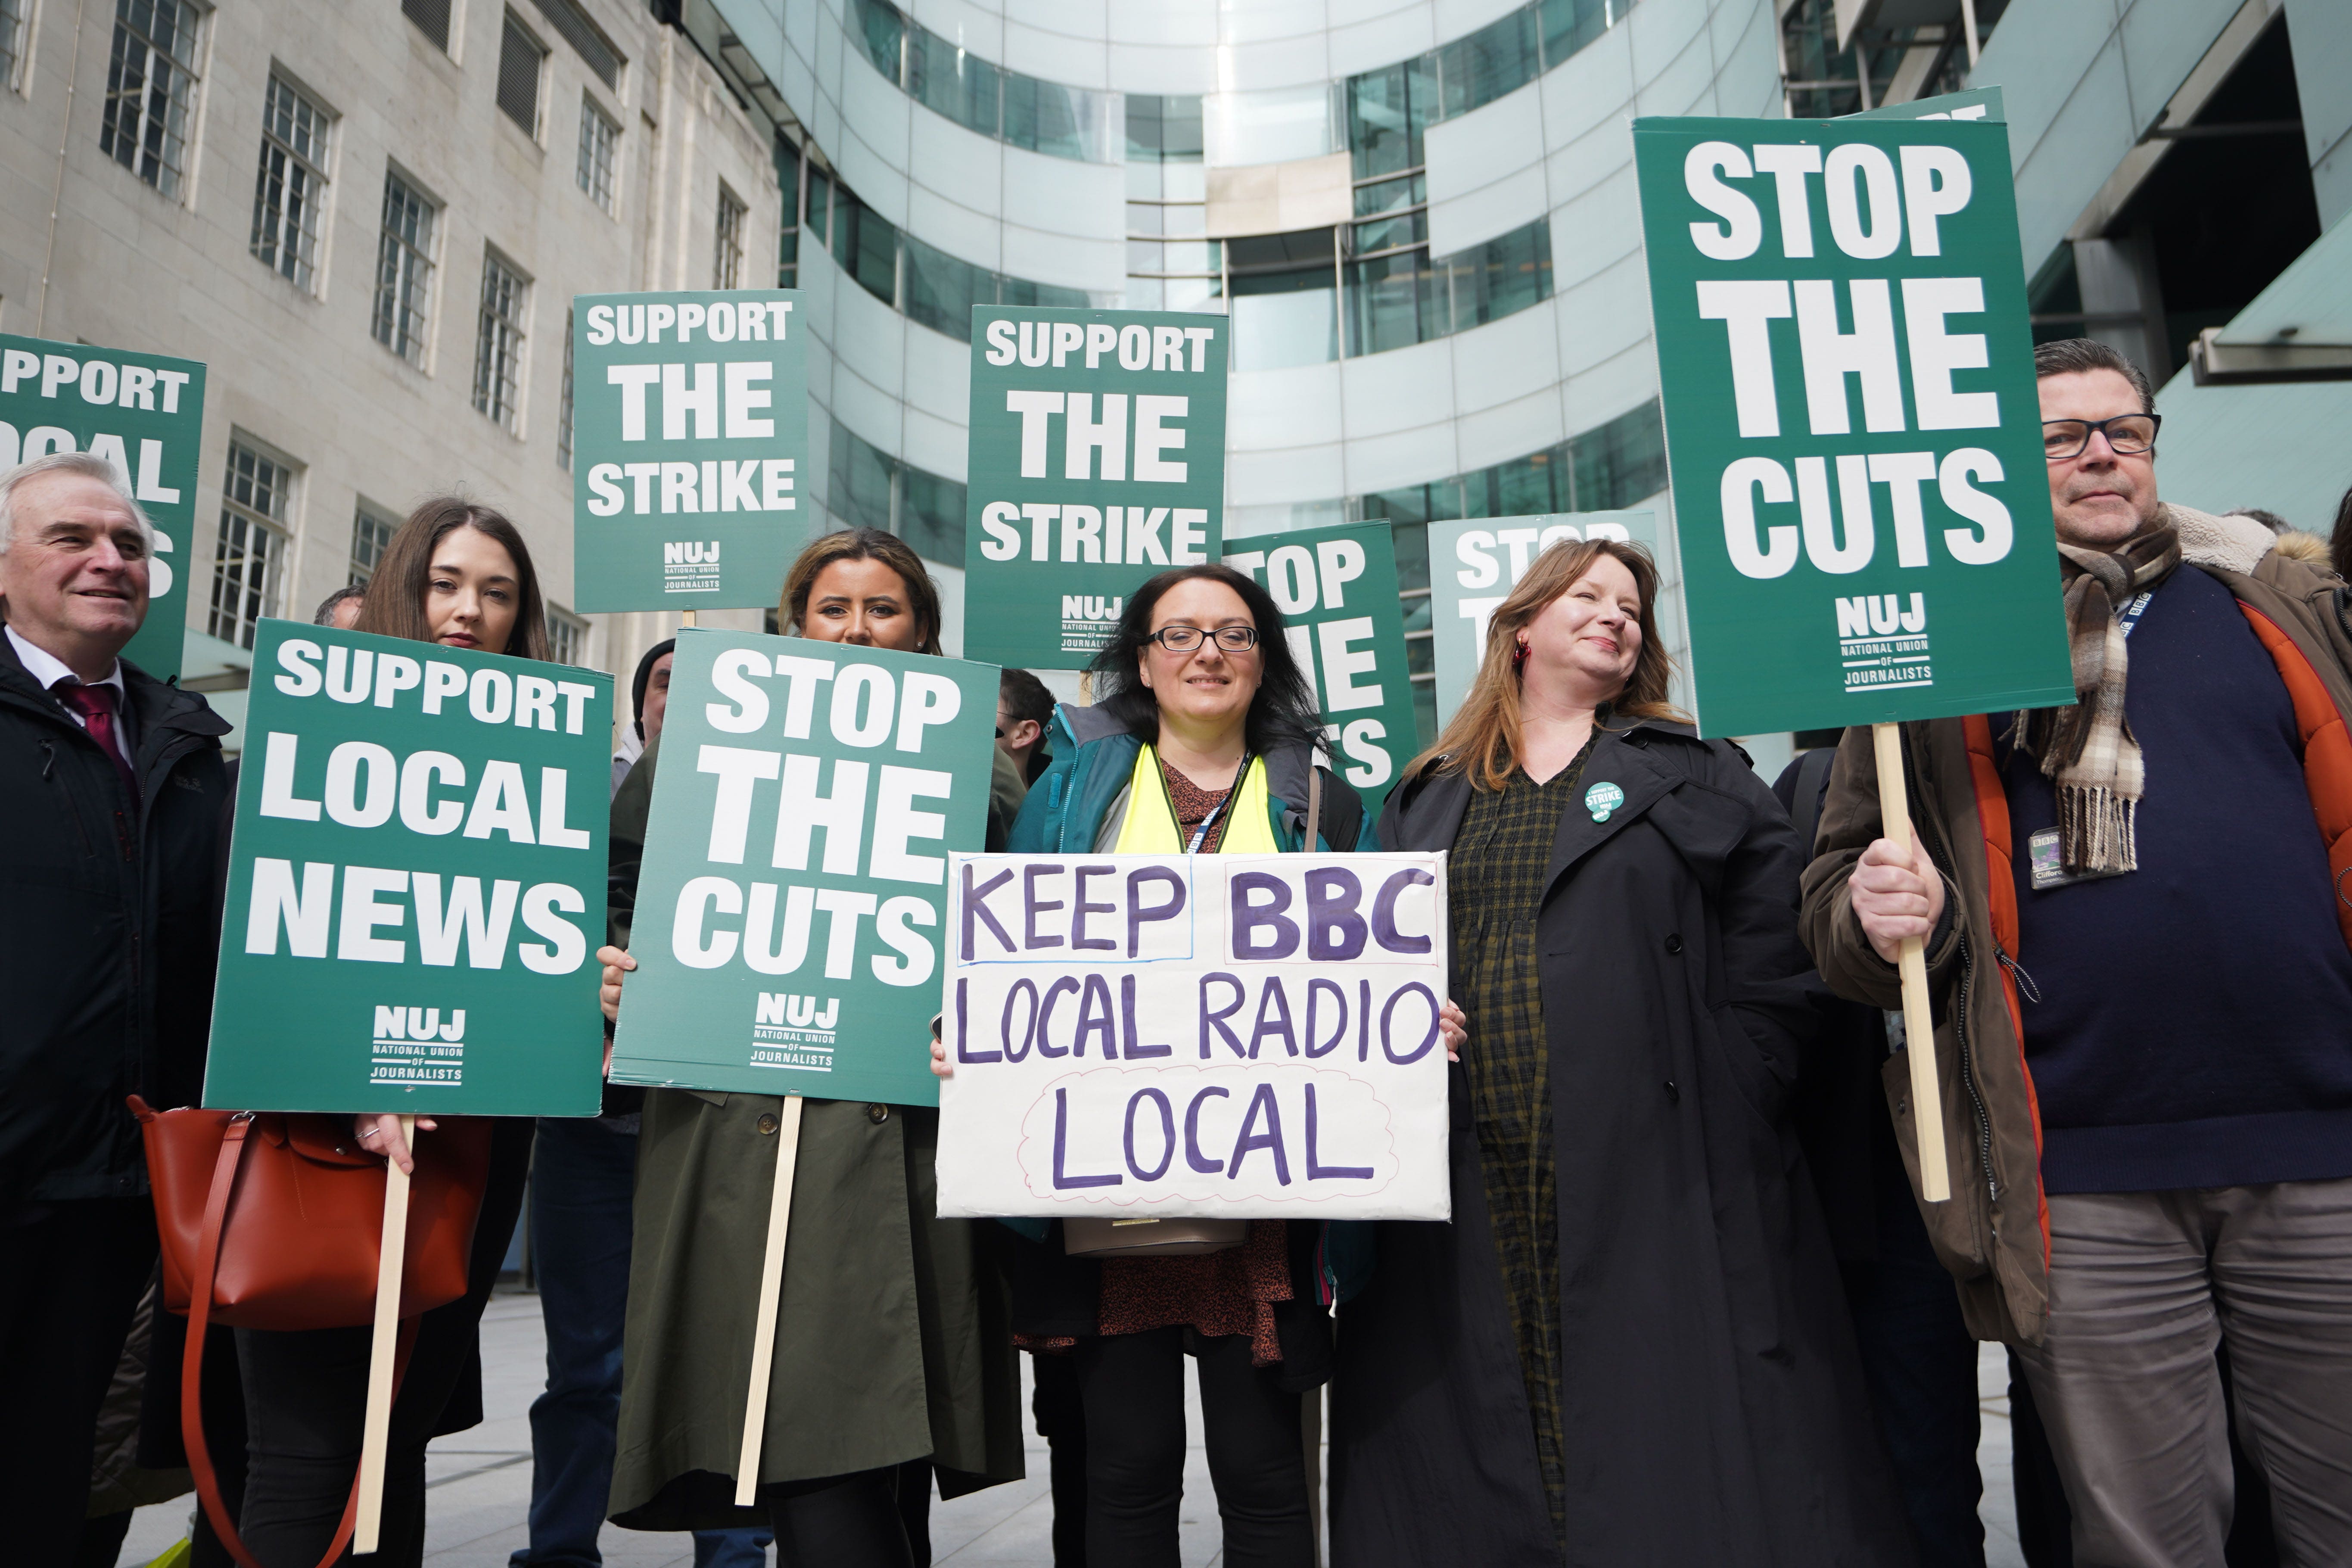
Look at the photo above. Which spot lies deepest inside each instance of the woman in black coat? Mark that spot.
(1629, 1347)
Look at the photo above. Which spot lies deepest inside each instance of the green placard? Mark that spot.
(690, 447)
(1336, 589)
(145, 413)
(1847, 377)
(1097, 457)
(789, 910)
(417, 882)
(1475, 564)
(1975, 103)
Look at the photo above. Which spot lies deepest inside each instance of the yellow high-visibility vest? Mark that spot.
(1150, 825)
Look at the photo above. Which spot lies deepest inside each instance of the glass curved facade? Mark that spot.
(1464, 334)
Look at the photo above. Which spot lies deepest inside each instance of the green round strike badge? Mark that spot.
(1602, 799)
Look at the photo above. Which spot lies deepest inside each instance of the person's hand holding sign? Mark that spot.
(1894, 898)
(618, 962)
(1452, 1028)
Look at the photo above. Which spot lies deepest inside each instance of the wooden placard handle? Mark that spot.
(376, 1432)
(772, 1289)
(1918, 1025)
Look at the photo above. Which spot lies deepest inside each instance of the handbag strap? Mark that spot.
(1314, 802)
(192, 1363)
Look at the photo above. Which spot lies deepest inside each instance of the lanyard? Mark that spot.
(2129, 616)
(1200, 834)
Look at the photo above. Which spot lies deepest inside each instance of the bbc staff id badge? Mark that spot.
(2050, 868)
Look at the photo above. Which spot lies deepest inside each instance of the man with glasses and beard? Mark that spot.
(2138, 943)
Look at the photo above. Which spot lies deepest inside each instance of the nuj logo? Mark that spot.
(689, 553)
(1881, 615)
(1090, 607)
(781, 1009)
(398, 1024)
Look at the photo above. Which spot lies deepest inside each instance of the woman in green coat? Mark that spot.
(893, 1354)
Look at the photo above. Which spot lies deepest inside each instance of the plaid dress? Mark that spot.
(1495, 885)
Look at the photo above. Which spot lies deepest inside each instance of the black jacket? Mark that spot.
(1714, 1412)
(109, 928)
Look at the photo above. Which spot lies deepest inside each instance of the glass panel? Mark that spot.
(1494, 60)
(1145, 256)
(950, 80)
(1393, 302)
(820, 204)
(1192, 256)
(1044, 295)
(1421, 653)
(1146, 294)
(875, 28)
(1622, 461)
(1389, 196)
(1275, 331)
(1387, 109)
(1503, 276)
(1418, 611)
(1064, 121)
(941, 290)
(859, 481)
(866, 245)
(1568, 25)
(1388, 233)
(930, 516)
(1183, 220)
(1274, 126)
(149, 81)
(287, 192)
(1205, 294)
(1183, 182)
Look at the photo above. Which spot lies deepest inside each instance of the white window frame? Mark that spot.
(599, 171)
(174, 164)
(420, 270)
(501, 337)
(309, 223)
(242, 523)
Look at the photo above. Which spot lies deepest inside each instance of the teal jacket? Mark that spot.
(1078, 804)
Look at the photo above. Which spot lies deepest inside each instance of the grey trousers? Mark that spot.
(2142, 1286)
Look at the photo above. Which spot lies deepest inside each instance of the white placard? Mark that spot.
(1231, 1037)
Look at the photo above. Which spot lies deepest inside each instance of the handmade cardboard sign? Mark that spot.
(789, 911)
(1474, 566)
(1336, 589)
(1846, 369)
(417, 882)
(1212, 1035)
(145, 415)
(690, 441)
(1098, 455)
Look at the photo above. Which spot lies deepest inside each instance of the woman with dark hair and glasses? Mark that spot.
(1201, 741)
(894, 1359)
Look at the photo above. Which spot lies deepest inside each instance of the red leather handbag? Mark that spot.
(274, 1221)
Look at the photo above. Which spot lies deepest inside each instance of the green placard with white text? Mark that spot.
(689, 448)
(145, 415)
(417, 882)
(1336, 589)
(1473, 565)
(1097, 457)
(1846, 370)
(789, 914)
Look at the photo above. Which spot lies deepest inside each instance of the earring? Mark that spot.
(1519, 658)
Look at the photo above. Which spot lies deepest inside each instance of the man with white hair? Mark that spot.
(112, 801)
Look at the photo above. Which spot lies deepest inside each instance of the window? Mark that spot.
(431, 19)
(293, 184)
(564, 404)
(372, 532)
(727, 249)
(940, 74)
(251, 556)
(600, 142)
(567, 636)
(595, 49)
(404, 269)
(1170, 264)
(12, 40)
(149, 84)
(867, 488)
(498, 344)
(521, 57)
(789, 167)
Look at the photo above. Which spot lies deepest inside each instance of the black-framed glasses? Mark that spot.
(1184, 639)
(2129, 433)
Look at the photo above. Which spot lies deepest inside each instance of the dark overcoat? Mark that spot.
(1714, 1413)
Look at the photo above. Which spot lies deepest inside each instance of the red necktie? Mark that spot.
(96, 706)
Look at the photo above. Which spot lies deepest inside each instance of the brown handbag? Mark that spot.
(273, 1221)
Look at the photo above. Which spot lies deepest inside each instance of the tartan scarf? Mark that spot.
(2088, 751)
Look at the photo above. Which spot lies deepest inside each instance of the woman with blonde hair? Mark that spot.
(1630, 1344)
